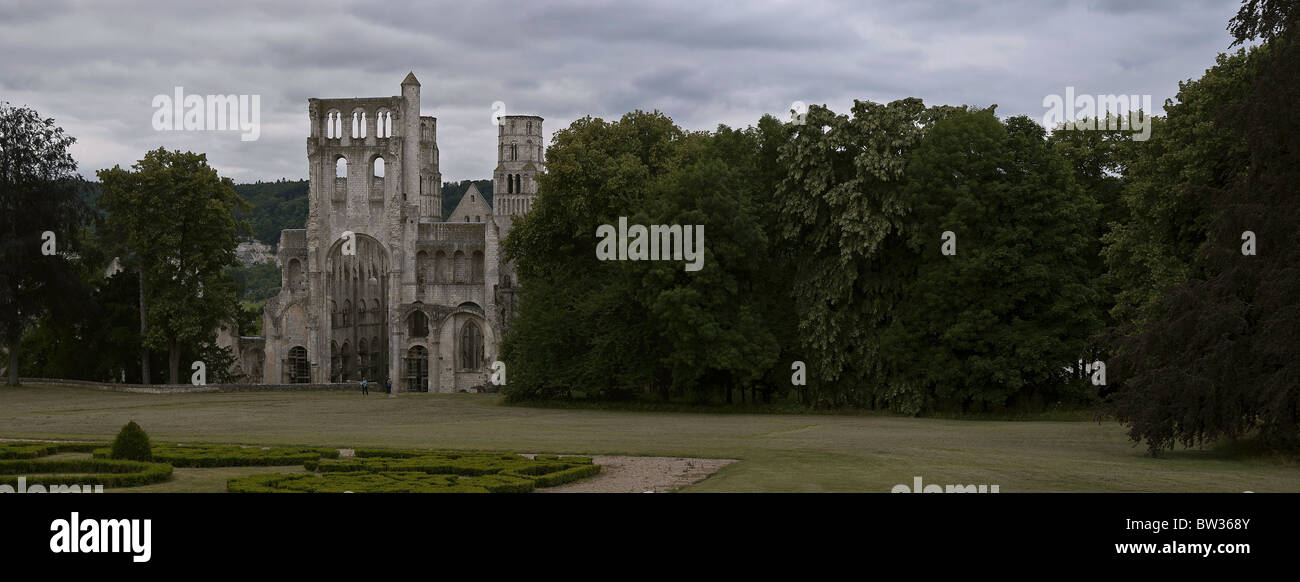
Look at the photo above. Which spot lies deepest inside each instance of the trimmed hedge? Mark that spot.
(32, 450)
(204, 456)
(367, 482)
(563, 476)
(469, 467)
(410, 453)
(106, 472)
(542, 471)
(560, 459)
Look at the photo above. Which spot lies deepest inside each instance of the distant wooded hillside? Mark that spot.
(283, 204)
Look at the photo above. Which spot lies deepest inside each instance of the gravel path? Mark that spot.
(642, 474)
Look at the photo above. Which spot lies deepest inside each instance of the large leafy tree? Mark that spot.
(994, 323)
(1170, 182)
(843, 206)
(577, 325)
(1215, 355)
(610, 329)
(1100, 159)
(174, 219)
(887, 320)
(39, 193)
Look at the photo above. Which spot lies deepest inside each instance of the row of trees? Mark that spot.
(826, 240)
(169, 222)
(823, 247)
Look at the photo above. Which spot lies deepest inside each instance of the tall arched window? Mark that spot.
(345, 361)
(358, 124)
(422, 268)
(335, 368)
(379, 168)
(341, 168)
(295, 279)
(476, 267)
(458, 264)
(363, 358)
(471, 346)
(333, 125)
(419, 326)
(442, 266)
(510, 185)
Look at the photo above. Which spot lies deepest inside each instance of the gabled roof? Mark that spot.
(472, 203)
(411, 80)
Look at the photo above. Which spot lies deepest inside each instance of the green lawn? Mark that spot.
(788, 453)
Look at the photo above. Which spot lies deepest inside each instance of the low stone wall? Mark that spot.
(191, 389)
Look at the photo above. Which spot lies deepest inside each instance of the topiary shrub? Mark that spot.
(132, 444)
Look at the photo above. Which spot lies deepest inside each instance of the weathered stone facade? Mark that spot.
(422, 300)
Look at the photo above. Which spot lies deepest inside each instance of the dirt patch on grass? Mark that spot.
(622, 474)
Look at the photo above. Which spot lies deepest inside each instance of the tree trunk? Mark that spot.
(174, 363)
(144, 350)
(13, 361)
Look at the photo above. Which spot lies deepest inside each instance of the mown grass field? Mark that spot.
(778, 453)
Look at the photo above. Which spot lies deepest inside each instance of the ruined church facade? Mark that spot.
(378, 285)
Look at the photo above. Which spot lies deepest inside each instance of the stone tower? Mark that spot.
(519, 160)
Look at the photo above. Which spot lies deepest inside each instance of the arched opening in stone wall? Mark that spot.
(459, 266)
(423, 272)
(296, 367)
(336, 364)
(418, 325)
(417, 369)
(363, 360)
(358, 124)
(359, 282)
(471, 346)
(295, 280)
(347, 370)
(333, 125)
(442, 266)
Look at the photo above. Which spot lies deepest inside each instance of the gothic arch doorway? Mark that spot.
(417, 369)
(297, 369)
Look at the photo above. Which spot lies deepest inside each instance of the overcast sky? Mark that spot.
(96, 66)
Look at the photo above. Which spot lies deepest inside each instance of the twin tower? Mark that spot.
(380, 284)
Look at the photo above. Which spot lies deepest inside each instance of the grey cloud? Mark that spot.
(94, 66)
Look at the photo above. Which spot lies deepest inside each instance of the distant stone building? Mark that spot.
(422, 300)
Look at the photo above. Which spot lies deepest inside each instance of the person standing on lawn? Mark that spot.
(365, 387)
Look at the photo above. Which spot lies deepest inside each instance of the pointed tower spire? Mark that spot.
(411, 80)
